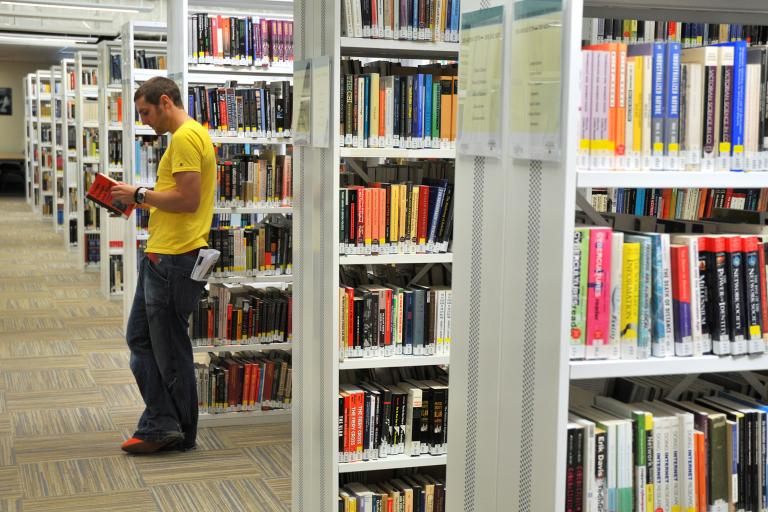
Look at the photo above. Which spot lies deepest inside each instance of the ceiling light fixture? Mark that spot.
(44, 40)
(81, 6)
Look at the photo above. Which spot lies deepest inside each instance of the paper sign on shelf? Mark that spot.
(536, 88)
(302, 94)
(480, 82)
(321, 101)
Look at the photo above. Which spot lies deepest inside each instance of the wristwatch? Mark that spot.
(140, 195)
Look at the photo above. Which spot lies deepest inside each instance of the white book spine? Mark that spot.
(629, 130)
(669, 328)
(647, 110)
(617, 246)
(585, 125)
(357, 19)
(687, 472)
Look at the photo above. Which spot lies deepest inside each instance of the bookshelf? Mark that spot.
(87, 162)
(149, 37)
(319, 266)
(186, 72)
(58, 129)
(30, 138)
(69, 152)
(45, 159)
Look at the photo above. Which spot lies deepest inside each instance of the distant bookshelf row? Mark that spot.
(244, 381)
(386, 104)
(659, 107)
(637, 295)
(239, 40)
(412, 20)
(689, 35)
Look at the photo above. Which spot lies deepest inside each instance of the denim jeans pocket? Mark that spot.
(157, 287)
(186, 294)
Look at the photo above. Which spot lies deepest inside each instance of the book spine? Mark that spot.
(738, 104)
(629, 305)
(598, 299)
(752, 293)
(657, 106)
(579, 293)
(669, 328)
(681, 297)
(736, 300)
(672, 106)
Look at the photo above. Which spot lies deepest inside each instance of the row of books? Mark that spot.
(413, 20)
(261, 110)
(396, 218)
(92, 248)
(87, 77)
(115, 273)
(387, 320)
(147, 154)
(143, 61)
(90, 111)
(417, 492)
(115, 69)
(636, 295)
(250, 180)
(244, 381)
(230, 314)
(381, 418)
(677, 203)
(703, 451)
(264, 249)
(657, 106)
(386, 104)
(91, 142)
(72, 232)
(115, 147)
(115, 108)
(239, 40)
(629, 31)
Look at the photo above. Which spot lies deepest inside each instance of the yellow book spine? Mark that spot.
(630, 311)
(394, 213)
(649, 490)
(637, 105)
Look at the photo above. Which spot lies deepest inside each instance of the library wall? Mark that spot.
(12, 127)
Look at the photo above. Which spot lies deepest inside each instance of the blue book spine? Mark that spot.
(408, 322)
(415, 20)
(435, 215)
(739, 101)
(455, 7)
(428, 106)
(640, 202)
(657, 100)
(672, 99)
(418, 122)
(137, 157)
(658, 332)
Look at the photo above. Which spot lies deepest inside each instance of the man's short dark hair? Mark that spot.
(155, 87)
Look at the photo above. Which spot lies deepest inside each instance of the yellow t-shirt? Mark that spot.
(190, 149)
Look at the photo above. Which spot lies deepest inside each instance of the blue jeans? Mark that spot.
(161, 352)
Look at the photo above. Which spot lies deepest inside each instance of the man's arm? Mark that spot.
(185, 198)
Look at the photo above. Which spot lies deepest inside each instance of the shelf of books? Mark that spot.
(45, 156)
(136, 151)
(373, 223)
(217, 67)
(30, 138)
(613, 356)
(87, 74)
(58, 129)
(69, 152)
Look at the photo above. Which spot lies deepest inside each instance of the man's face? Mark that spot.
(154, 116)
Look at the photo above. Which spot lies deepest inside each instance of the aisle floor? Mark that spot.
(68, 399)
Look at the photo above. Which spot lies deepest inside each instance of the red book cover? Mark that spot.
(100, 193)
(215, 26)
(246, 384)
(702, 203)
(421, 229)
(361, 199)
(255, 383)
(728, 196)
(373, 195)
(360, 398)
(211, 321)
(681, 292)
(228, 335)
(667, 200)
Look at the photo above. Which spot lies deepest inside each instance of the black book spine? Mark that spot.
(736, 302)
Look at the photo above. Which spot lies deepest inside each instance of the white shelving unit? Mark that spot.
(131, 36)
(57, 125)
(30, 138)
(316, 375)
(69, 156)
(185, 74)
(111, 238)
(45, 150)
(85, 62)
(671, 179)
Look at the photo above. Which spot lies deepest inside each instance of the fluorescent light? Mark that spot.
(81, 6)
(44, 40)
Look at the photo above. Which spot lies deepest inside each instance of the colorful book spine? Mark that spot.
(681, 299)
(630, 285)
(579, 293)
(717, 294)
(659, 345)
(672, 106)
(734, 265)
(751, 260)
(645, 324)
(598, 299)
(617, 246)
(657, 106)
(738, 103)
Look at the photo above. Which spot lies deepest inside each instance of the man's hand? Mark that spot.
(124, 193)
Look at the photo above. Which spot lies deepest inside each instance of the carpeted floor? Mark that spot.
(68, 399)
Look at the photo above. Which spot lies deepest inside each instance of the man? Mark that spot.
(181, 210)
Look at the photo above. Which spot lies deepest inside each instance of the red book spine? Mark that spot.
(360, 419)
(255, 384)
(229, 322)
(388, 318)
(361, 198)
(728, 196)
(423, 214)
(350, 294)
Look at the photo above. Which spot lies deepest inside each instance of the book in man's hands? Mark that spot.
(101, 194)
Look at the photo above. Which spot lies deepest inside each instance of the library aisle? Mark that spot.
(68, 399)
